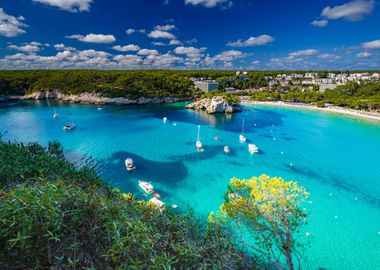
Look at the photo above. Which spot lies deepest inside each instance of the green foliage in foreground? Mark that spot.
(363, 97)
(228, 96)
(55, 216)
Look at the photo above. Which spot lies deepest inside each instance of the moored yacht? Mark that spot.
(159, 204)
(198, 143)
(226, 149)
(146, 187)
(69, 127)
(242, 138)
(130, 164)
(253, 148)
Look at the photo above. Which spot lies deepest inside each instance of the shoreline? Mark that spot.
(96, 99)
(373, 116)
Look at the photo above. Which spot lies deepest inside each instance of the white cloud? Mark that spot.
(158, 43)
(320, 23)
(363, 55)
(175, 42)
(142, 31)
(126, 48)
(62, 47)
(210, 3)
(167, 27)
(352, 11)
(162, 61)
(193, 54)
(304, 53)
(375, 44)
(25, 48)
(68, 5)
(94, 38)
(226, 57)
(252, 41)
(147, 52)
(11, 26)
(161, 34)
(128, 60)
(62, 60)
(329, 56)
(130, 31)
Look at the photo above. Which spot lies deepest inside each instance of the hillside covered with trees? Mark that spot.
(135, 84)
(56, 216)
(131, 84)
(364, 96)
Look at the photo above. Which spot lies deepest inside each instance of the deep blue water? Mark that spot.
(336, 158)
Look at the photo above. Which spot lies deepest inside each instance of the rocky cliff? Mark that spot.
(94, 98)
(217, 104)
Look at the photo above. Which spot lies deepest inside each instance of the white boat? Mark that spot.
(146, 187)
(198, 144)
(69, 127)
(165, 119)
(242, 138)
(55, 116)
(253, 148)
(100, 108)
(159, 204)
(226, 149)
(129, 164)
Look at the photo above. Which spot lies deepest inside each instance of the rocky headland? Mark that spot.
(216, 104)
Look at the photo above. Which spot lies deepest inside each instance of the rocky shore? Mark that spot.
(217, 104)
(94, 98)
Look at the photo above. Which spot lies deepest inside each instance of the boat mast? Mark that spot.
(242, 127)
(199, 128)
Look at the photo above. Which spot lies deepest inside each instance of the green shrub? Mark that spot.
(56, 216)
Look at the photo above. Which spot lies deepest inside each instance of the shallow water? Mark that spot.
(336, 158)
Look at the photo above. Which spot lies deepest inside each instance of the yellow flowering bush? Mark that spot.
(269, 209)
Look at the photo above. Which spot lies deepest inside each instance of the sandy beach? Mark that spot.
(373, 116)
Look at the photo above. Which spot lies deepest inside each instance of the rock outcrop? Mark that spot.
(95, 98)
(217, 104)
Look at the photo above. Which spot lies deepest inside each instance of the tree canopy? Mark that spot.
(269, 209)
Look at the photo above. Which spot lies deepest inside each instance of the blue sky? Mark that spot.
(190, 34)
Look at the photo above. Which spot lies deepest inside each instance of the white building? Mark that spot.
(206, 86)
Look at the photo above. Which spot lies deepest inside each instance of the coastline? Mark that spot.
(372, 116)
(94, 98)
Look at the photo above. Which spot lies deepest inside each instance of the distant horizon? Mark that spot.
(190, 34)
(222, 70)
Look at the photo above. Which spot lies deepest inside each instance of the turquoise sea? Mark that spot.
(336, 158)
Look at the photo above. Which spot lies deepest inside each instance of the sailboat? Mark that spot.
(242, 138)
(55, 116)
(198, 144)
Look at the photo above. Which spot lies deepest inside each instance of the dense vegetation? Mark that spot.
(364, 96)
(131, 84)
(176, 83)
(56, 216)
